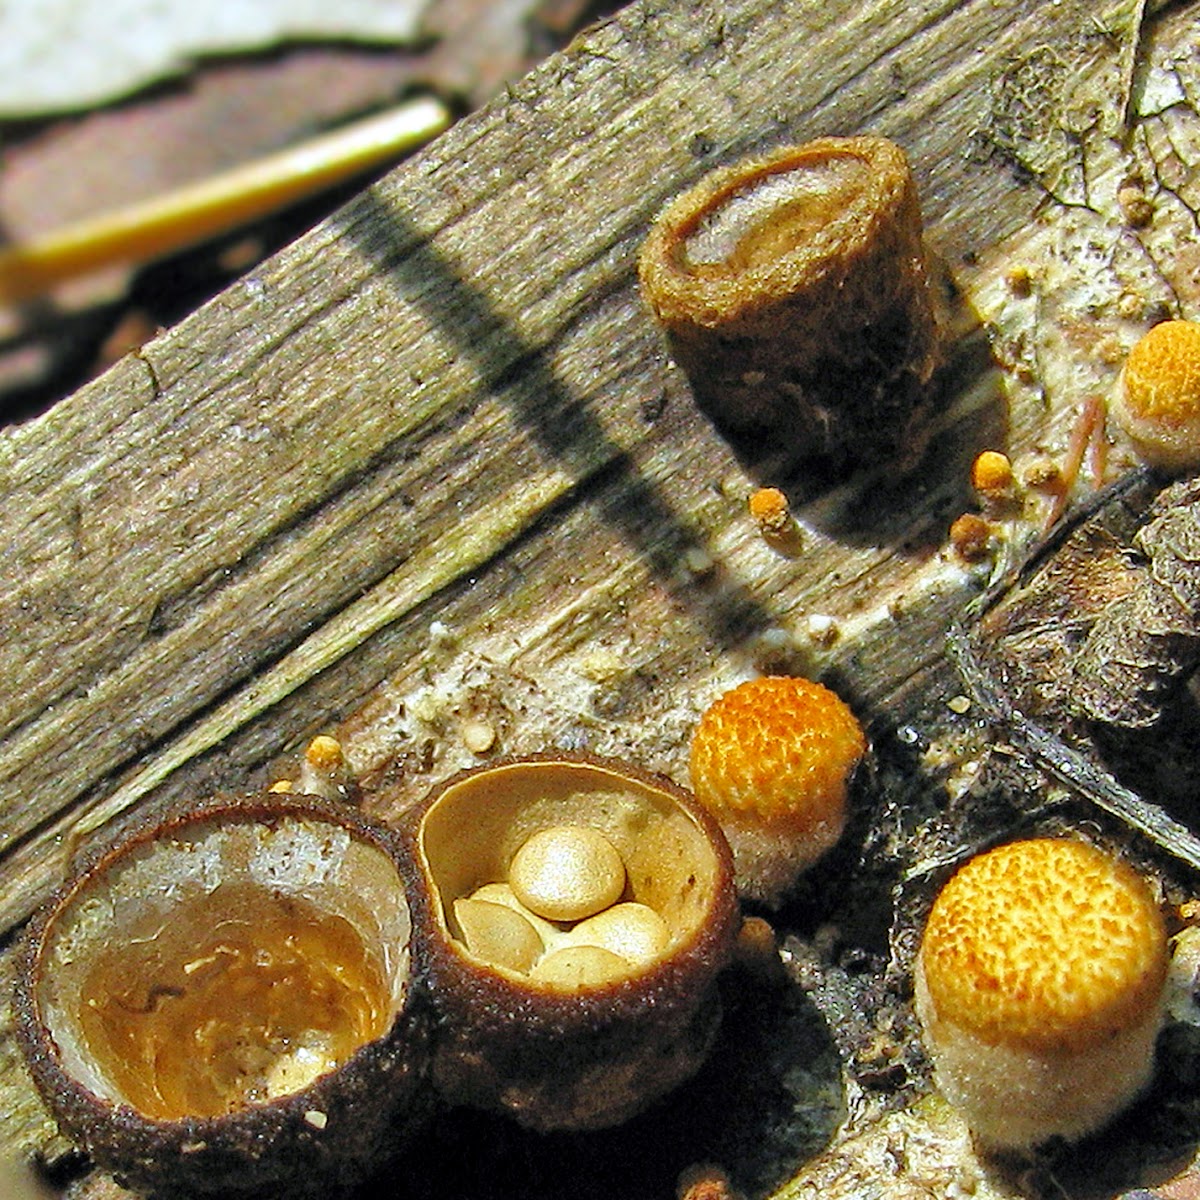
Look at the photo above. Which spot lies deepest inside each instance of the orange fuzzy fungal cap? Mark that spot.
(779, 748)
(769, 506)
(1047, 944)
(991, 473)
(1158, 396)
(324, 753)
(970, 536)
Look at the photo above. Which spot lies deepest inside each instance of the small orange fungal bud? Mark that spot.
(705, 1181)
(992, 474)
(324, 753)
(1157, 397)
(770, 510)
(325, 772)
(1039, 989)
(772, 760)
(769, 507)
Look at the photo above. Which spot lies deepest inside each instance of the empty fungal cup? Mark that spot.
(222, 1002)
(793, 292)
(573, 915)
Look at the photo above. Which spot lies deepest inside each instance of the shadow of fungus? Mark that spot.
(557, 418)
(769, 1098)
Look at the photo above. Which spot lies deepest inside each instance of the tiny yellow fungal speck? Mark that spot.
(757, 951)
(1019, 280)
(769, 507)
(324, 753)
(325, 772)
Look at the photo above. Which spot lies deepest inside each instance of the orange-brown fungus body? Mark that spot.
(769, 508)
(1047, 944)
(1157, 401)
(992, 473)
(971, 537)
(324, 753)
(768, 505)
(779, 748)
(793, 291)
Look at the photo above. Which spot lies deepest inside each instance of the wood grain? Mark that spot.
(391, 402)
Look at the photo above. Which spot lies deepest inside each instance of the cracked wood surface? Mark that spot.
(394, 401)
(430, 462)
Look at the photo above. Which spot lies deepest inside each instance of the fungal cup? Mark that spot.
(574, 915)
(223, 1004)
(793, 289)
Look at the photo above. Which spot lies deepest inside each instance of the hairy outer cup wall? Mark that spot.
(344, 1123)
(801, 311)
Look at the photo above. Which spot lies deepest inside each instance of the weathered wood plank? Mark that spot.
(176, 532)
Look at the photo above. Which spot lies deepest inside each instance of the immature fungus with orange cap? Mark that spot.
(325, 772)
(1157, 397)
(971, 537)
(1039, 988)
(992, 475)
(772, 760)
(773, 515)
(770, 509)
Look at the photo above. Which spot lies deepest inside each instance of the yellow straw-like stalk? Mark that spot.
(192, 214)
